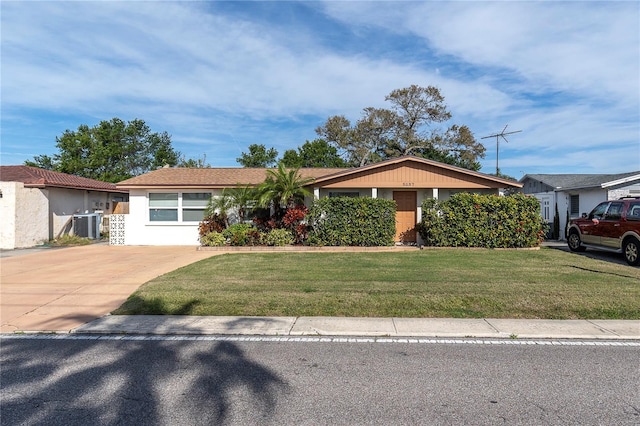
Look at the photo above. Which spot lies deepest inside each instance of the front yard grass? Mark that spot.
(452, 283)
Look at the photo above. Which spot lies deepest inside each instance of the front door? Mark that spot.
(407, 202)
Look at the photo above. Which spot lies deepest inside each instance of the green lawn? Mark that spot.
(462, 283)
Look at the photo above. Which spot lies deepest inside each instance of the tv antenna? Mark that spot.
(502, 135)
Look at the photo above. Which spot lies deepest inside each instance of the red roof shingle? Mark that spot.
(34, 177)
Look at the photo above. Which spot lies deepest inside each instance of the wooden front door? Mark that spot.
(407, 202)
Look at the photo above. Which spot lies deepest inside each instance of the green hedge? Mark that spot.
(472, 220)
(346, 221)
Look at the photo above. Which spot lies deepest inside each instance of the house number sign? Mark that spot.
(408, 184)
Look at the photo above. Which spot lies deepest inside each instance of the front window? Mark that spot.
(163, 207)
(177, 207)
(193, 206)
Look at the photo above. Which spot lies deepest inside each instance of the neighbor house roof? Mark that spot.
(210, 177)
(584, 181)
(34, 177)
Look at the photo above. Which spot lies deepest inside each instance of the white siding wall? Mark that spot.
(140, 231)
(8, 215)
(25, 221)
(627, 191)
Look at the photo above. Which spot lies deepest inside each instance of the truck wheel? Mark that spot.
(575, 244)
(631, 250)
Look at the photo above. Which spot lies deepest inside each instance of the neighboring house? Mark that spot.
(575, 194)
(37, 205)
(167, 204)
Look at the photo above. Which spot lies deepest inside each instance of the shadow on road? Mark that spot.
(128, 382)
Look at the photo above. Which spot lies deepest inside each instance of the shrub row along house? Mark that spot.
(167, 205)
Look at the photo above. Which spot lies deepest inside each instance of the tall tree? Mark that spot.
(365, 141)
(317, 153)
(416, 109)
(258, 156)
(405, 128)
(111, 151)
(460, 146)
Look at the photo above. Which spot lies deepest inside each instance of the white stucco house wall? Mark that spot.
(166, 205)
(576, 194)
(37, 205)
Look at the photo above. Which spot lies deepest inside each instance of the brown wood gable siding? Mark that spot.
(410, 176)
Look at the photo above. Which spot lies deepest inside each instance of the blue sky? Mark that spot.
(219, 76)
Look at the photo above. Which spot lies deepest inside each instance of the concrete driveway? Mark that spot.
(60, 289)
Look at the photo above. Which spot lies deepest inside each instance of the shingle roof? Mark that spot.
(34, 177)
(177, 177)
(211, 177)
(577, 181)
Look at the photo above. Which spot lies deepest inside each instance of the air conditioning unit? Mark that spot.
(86, 225)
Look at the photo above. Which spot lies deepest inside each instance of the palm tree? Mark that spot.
(240, 197)
(283, 188)
(219, 206)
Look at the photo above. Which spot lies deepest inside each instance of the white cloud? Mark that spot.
(582, 47)
(225, 65)
(564, 73)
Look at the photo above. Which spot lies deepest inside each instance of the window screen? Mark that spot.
(574, 202)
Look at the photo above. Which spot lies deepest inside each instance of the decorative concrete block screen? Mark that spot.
(116, 229)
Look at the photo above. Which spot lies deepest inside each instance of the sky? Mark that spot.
(219, 76)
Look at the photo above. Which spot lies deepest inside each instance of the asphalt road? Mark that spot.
(182, 382)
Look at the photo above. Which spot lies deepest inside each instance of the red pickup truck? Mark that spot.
(612, 226)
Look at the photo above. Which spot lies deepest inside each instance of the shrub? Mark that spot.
(70, 240)
(212, 223)
(263, 220)
(213, 239)
(292, 220)
(242, 234)
(472, 220)
(255, 237)
(279, 237)
(346, 221)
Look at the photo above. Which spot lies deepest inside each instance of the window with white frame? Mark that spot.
(193, 205)
(574, 205)
(163, 207)
(546, 207)
(177, 207)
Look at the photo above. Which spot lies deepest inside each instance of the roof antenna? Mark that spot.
(502, 135)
